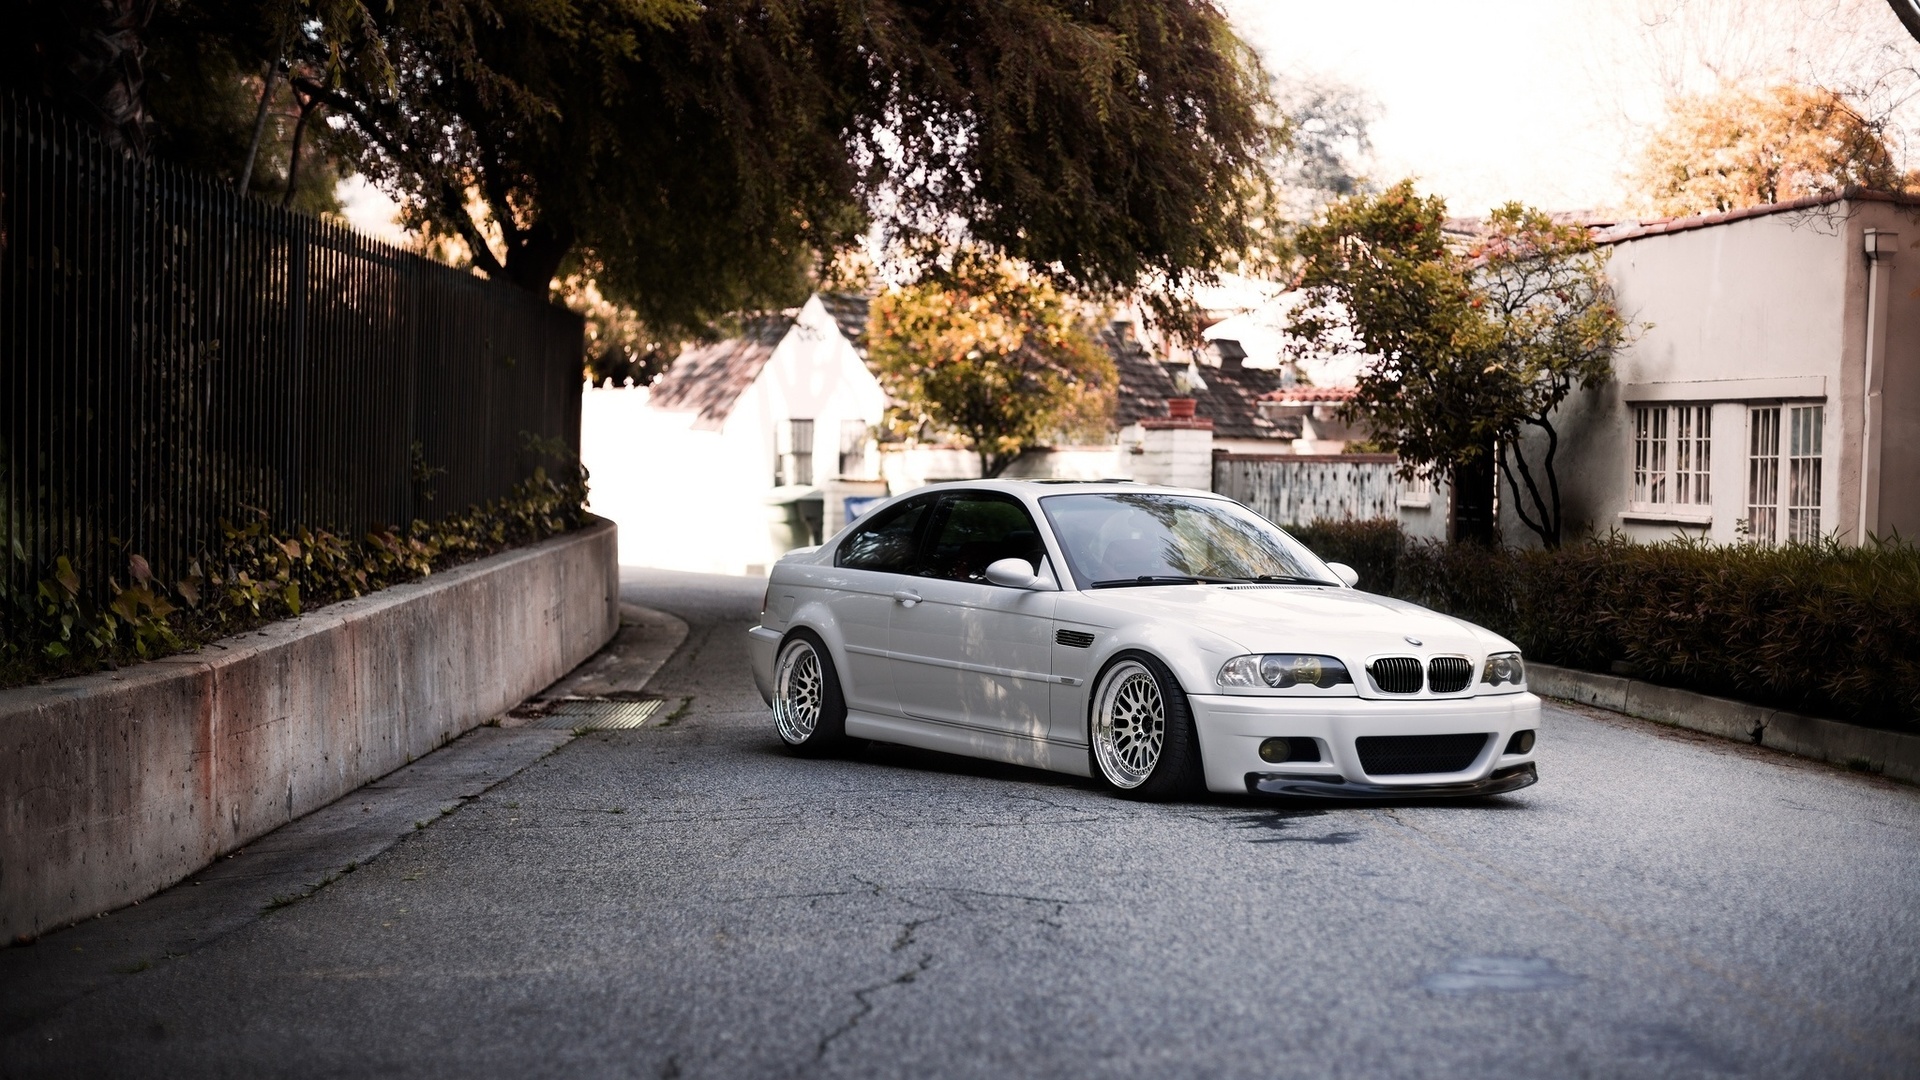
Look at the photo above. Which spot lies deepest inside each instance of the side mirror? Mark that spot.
(1348, 575)
(1013, 574)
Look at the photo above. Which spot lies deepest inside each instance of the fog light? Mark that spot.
(1521, 743)
(1276, 751)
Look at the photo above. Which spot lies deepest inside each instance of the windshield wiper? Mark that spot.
(1288, 579)
(1164, 579)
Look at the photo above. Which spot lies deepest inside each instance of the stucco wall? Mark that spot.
(116, 785)
(1748, 312)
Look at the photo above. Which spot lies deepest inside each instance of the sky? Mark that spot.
(1546, 101)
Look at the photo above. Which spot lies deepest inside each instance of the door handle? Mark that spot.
(906, 597)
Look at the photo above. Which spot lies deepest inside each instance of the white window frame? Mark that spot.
(1670, 462)
(1785, 472)
(1417, 492)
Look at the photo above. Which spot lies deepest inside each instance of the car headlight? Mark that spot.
(1504, 667)
(1282, 670)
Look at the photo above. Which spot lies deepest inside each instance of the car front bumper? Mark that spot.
(1231, 728)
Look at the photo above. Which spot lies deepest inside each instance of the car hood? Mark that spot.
(1294, 618)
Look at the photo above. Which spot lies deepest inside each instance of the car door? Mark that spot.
(870, 566)
(964, 651)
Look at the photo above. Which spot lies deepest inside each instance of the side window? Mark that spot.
(887, 542)
(977, 529)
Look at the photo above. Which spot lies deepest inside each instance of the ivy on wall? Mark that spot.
(254, 576)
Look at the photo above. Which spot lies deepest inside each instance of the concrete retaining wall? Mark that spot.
(1888, 752)
(114, 786)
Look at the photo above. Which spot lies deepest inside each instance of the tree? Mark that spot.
(703, 156)
(1553, 330)
(1739, 148)
(89, 57)
(1328, 141)
(1471, 347)
(991, 352)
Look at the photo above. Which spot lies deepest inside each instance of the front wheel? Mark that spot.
(1141, 731)
(808, 709)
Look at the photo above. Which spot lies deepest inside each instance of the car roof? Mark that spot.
(1041, 487)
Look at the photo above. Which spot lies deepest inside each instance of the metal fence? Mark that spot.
(172, 355)
(1303, 488)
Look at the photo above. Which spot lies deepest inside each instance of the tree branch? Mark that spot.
(452, 200)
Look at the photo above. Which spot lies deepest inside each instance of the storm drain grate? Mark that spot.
(598, 715)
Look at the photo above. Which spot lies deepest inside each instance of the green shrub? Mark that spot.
(254, 576)
(1371, 547)
(1823, 629)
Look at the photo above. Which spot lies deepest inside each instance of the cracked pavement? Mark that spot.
(687, 900)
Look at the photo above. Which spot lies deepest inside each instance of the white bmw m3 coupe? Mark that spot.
(1156, 639)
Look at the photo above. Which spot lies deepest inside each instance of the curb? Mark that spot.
(1888, 753)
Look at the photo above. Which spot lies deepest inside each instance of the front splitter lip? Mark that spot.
(1511, 778)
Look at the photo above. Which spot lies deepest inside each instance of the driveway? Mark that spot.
(685, 899)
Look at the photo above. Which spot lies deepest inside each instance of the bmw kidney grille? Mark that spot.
(1396, 674)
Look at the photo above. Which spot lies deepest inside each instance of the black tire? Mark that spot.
(809, 711)
(1121, 746)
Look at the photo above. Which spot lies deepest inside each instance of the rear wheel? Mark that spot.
(808, 709)
(1141, 731)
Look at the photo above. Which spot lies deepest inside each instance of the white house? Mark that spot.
(1775, 395)
(730, 458)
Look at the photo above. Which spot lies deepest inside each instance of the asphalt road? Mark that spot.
(687, 900)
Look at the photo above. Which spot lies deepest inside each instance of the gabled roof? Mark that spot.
(1231, 398)
(850, 311)
(708, 379)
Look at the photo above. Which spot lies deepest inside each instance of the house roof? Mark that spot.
(850, 311)
(1637, 230)
(1311, 395)
(708, 379)
(1230, 399)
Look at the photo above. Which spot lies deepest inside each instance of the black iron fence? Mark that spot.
(172, 355)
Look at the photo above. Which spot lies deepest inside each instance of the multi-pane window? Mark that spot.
(853, 448)
(1803, 472)
(1672, 455)
(1763, 473)
(793, 454)
(1693, 455)
(1783, 467)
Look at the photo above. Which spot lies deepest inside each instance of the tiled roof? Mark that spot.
(1636, 230)
(850, 311)
(1230, 400)
(1311, 395)
(710, 378)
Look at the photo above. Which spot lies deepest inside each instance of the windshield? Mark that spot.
(1141, 538)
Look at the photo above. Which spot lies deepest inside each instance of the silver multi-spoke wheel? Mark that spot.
(1129, 724)
(799, 691)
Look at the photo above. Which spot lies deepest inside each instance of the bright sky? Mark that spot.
(1546, 101)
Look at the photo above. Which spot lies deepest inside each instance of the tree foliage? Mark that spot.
(1472, 347)
(1741, 147)
(993, 353)
(703, 157)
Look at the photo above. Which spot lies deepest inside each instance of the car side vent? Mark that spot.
(1396, 674)
(1449, 674)
(1074, 639)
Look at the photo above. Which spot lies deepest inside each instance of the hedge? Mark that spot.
(1821, 629)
